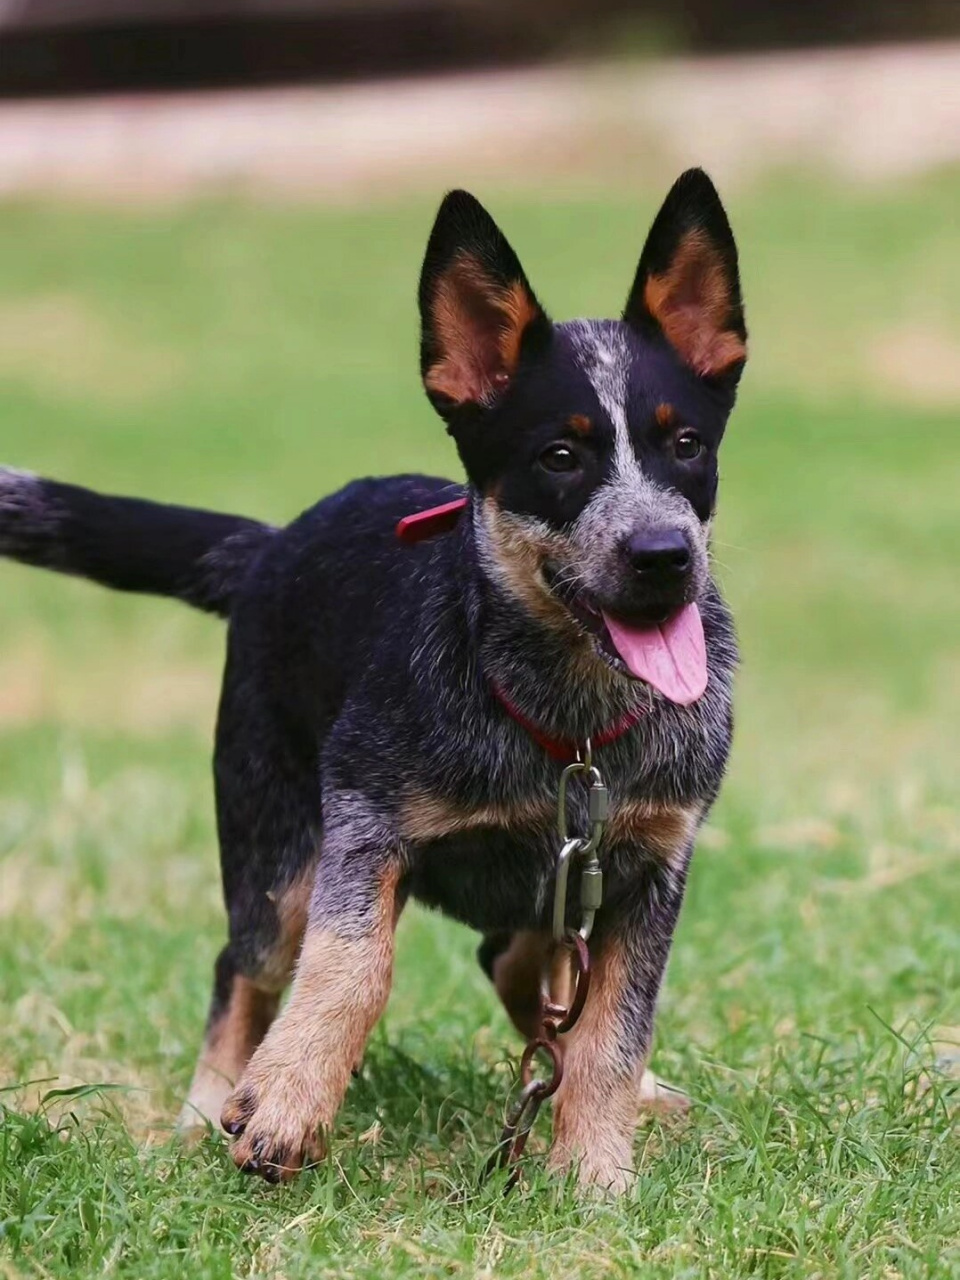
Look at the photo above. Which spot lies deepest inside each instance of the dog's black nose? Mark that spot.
(661, 553)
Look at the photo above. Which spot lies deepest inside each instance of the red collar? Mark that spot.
(427, 524)
(565, 749)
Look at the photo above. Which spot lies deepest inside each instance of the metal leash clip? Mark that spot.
(583, 847)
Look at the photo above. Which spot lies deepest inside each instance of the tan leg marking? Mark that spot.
(595, 1108)
(293, 1087)
(227, 1047)
(292, 903)
(516, 976)
(232, 1037)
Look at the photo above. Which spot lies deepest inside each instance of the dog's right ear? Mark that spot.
(477, 311)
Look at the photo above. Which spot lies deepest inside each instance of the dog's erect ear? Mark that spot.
(687, 285)
(477, 311)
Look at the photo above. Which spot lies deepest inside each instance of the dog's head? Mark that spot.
(593, 443)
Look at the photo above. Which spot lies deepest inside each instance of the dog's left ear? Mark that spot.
(478, 314)
(687, 285)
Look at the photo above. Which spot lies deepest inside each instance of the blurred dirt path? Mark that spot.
(870, 114)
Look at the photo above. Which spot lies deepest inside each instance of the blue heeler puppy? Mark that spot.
(394, 713)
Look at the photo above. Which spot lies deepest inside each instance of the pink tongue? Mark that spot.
(672, 656)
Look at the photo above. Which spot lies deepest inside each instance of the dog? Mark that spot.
(395, 712)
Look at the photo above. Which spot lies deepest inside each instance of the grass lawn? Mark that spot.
(254, 358)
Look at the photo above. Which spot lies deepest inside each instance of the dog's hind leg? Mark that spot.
(248, 983)
(269, 819)
(514, 964)
(240, 1015)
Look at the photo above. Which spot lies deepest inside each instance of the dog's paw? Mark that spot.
(276, 1130)
(597, 1174)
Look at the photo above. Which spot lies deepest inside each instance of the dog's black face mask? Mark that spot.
(593, 443)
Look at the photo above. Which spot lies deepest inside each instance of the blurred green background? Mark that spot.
(252, 357)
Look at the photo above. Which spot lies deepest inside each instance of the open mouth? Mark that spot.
(668, 652)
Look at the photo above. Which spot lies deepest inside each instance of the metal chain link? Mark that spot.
(560, 1007)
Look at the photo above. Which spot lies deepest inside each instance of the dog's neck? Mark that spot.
(572, 695)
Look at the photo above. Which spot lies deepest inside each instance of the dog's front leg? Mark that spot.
(286, 1100)
(596, 1106)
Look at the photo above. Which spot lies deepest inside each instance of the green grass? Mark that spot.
(254, 358)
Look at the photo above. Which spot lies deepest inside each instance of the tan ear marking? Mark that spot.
(479, 325)
(691, 301)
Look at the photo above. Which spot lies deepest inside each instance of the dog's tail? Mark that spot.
(199, 557)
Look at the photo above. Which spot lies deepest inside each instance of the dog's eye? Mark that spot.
(687, 446)
(559, 457)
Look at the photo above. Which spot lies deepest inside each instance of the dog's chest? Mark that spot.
(488, 877)
(493, 865)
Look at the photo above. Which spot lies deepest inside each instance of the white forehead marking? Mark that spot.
(602, 352)
(629, 497)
